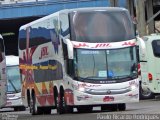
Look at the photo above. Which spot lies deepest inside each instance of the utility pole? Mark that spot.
(149, 9)
(130, 7)
(140, 15)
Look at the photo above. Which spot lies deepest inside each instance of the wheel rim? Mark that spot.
(63, 102)
(146, 92)
(33, 105)
(57, 102)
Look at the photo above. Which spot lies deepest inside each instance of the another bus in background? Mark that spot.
(3, 80)
(14, 99)
(149, 56)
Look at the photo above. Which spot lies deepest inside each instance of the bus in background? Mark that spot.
(149, 51)
(143, 93)
(72, 59)
(3, 80)
(14, 99)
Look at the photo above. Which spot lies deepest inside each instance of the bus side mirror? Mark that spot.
(69, 48)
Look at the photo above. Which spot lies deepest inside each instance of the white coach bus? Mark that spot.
(149, 62)
(79, 58)
(3, 80)
(14, 99)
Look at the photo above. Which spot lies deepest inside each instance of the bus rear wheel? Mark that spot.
(60, 105)
(33, 106)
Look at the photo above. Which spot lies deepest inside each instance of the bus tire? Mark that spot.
(22, 108)
(145, 94)
(68, 109)
(60, 104)
(109, 107)
(84, 109)
(33, 106)
(122, 107)
(16, 109)
(46, 110)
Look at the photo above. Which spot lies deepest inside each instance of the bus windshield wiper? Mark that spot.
(88, 77)
(124, 76)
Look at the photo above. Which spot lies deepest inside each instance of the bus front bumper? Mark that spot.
(81, 98)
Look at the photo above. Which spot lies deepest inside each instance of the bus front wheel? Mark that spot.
(84, 109)
(122, 107)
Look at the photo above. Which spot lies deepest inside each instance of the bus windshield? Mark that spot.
(13, 76)
(113, 64)
(101, 26)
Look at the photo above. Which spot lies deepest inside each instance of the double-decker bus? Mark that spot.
(79, 58)
(3, 80)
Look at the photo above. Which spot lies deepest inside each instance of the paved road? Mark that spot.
(143, 108)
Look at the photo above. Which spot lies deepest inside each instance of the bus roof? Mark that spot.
(73, 10)
(12, 60)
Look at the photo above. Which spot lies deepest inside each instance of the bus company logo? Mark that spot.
(88, 85)
(108, 98)
(79, 45)
(44, 52)
(102, 45)
(128, 44)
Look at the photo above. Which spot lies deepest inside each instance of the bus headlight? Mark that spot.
(81, 89)
(133, 87)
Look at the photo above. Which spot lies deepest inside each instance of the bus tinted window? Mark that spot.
(48, 71)
(22, 39)
(156, 47)
(39, 36)
(1, 49)
(101, 26)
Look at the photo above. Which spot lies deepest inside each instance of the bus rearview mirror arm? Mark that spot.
(69, 48)
(142, 47)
